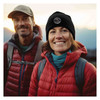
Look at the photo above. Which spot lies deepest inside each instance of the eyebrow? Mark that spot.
(14, 17)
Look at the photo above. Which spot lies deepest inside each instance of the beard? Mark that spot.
(21, 31)
(25, 35)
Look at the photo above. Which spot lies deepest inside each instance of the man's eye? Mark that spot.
(25, 18)
(16, 20)
(52, 31)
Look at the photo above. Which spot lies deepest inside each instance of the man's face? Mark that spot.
(23, 24)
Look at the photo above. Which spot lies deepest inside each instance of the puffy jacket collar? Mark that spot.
(15, 41)
(73, 56)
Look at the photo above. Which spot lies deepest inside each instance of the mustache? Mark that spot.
(22, 26)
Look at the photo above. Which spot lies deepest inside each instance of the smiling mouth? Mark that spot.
(59, 43)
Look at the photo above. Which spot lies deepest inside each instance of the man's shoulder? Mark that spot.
(6, 45)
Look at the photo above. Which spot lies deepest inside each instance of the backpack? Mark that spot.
(10, 54)
(79, 71)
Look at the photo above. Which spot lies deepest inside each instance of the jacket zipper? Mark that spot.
(23, 72)
(55, 81)
(20, 76)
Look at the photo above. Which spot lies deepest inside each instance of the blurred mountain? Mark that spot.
(7, 34)
(85, 36)
(91, 56)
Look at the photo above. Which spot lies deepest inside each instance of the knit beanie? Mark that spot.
(60, 19)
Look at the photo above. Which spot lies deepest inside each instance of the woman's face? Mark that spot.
(59, 40)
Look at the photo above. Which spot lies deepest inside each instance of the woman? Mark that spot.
(62, 52)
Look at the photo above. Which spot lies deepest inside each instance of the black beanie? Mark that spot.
(60, 19)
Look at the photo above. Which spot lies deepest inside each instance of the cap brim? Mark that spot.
(12, 14)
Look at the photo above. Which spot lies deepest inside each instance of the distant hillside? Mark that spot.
(7, 34)
(85, 36)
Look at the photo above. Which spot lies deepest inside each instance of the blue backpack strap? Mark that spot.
(41, 67)
(79, 72)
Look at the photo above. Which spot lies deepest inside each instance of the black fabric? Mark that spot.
(79, 72)
(63, 20)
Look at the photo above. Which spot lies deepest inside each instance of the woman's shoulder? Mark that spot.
(90, 66)
(90, 70)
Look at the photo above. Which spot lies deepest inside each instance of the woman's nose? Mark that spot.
(58, 35)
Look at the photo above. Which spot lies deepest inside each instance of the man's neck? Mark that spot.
(26, 41)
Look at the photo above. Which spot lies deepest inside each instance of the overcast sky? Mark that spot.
(83, 15)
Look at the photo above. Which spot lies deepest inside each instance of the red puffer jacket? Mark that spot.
(18, 78)
(66, 83)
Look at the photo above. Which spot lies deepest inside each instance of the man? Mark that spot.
(21, 52)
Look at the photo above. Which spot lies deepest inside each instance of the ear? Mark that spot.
(33, 23)
(32, 18)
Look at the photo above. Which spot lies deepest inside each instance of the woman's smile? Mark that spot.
(59, 39)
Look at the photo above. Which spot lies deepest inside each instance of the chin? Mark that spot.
(24, 34)
(60, 50)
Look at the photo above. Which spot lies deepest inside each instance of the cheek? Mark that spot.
(49, 37)
(67, 36)
(30, 25)
(50, 42)
(15, 26)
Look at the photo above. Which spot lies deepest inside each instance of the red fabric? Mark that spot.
(66, 83)
(12, 83)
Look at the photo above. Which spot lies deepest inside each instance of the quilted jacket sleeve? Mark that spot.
(5, 63)
(34, 82)
(89, 88)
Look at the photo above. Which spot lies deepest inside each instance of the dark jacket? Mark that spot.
(18, 76)
(63, 83)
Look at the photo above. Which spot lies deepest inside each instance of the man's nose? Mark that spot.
(21, 22)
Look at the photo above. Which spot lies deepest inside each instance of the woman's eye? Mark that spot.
(64, 30)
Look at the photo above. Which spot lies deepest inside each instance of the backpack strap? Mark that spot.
(9, 55)
(79, 72)
(41, 67)
(24, 62)
(39, 51)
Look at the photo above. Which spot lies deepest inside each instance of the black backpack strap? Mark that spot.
(41, 67)
(39, 51)
(9, 55)
(79, 72)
